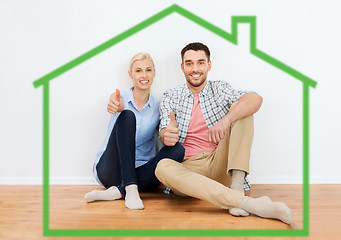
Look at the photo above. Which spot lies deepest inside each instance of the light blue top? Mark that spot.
(146, 122)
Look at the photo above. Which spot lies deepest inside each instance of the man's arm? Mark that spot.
(168, 127)
(248, 104)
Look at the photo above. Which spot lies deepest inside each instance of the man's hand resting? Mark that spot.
(218, 131)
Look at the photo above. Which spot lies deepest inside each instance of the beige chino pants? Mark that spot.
(207, 175)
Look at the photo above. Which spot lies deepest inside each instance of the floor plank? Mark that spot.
(21, 212)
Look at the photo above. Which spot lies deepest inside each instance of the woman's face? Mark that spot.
(142, 74)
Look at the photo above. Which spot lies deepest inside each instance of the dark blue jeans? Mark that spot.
(116, 167)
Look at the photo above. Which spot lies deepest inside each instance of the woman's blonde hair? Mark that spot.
(138, 57)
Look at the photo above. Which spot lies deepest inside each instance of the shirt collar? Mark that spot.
(187, 91)
(130, 96)
(203, 92)
(131, 99)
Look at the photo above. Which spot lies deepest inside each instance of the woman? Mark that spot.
(127, 161)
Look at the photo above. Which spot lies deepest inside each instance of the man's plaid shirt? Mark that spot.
(215, 102)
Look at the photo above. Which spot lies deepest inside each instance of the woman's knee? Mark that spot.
(179, 152)
(176, 152)
(127, 116)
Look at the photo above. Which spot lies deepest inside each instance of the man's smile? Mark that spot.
(196, 75)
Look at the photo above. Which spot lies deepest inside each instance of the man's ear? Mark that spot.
(209, 66)
(183, 67)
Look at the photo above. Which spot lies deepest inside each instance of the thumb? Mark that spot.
(118, 95)
(172, 119)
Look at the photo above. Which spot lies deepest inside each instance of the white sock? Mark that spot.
(238, 180)
(132, 199)
(264, 207)
(238, 185)
(111, 193)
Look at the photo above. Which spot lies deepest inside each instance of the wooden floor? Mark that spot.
(21, 212)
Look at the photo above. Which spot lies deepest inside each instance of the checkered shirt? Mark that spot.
(215, 101)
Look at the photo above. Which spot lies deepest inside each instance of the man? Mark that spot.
(215, 124)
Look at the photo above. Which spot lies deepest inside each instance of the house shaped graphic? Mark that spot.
(230, 38)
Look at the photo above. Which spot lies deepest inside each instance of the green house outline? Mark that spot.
(230, 37)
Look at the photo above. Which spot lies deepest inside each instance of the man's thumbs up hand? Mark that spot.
(115, 103)
(172, 120)
(170, 136)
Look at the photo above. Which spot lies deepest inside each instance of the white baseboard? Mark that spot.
(53, 181)
(274, 180)
(92, 181)
(325, 180)
(73, 181)
(21, 181)
(293, 180)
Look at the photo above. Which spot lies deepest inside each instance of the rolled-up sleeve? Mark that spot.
(165, 108)
(230, 94)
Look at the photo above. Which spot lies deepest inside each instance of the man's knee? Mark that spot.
(244, 122)
(233, 105)
(248, 119)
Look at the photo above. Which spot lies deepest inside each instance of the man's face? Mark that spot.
(195, 66)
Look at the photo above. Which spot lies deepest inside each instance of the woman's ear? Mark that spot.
(130, 74)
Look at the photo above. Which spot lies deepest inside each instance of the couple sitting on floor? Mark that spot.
(207, 131)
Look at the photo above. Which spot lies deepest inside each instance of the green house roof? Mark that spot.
(230, 37)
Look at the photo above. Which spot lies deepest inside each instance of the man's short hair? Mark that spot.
(196, 46)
